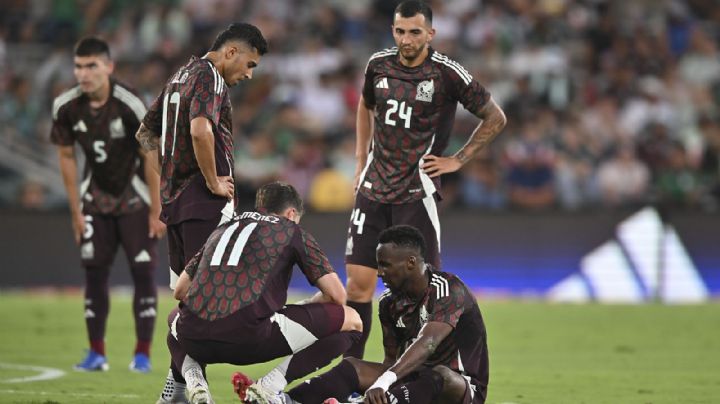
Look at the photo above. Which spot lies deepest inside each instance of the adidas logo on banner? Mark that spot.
(383, 83)
(646, 260)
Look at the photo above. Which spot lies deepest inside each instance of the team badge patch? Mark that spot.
(425, 91)
(117, 130)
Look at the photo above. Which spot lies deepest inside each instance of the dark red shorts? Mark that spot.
(290, 330)
(104, 233)
(369, 218)
(186, 238)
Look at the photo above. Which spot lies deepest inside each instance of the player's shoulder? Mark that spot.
(450, 66)
(126, 95)
(65, 99)
(386, 298)
(205, 70)
(382, 55)
(444, 283)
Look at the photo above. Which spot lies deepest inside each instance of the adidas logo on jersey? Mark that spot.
(383, 83)
(80, 126)
(142, 256)
(400, 323)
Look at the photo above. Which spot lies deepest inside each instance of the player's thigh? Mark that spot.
(194, 233)
(422, 215)
(302, 324)
(133, 229)
(456, 388)
(367, 220)
(99, 241)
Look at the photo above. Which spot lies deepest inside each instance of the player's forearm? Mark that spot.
(152, 178)
(332, 289)
(428, 340)
(68, 170)
(148, 139)
(493, 122)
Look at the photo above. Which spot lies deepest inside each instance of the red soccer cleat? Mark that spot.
(240, 384)
(331, 401)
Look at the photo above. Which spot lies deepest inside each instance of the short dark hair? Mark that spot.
(91, 46)
(404, 236)
(411, 8)
(277, 196)
(241, 31)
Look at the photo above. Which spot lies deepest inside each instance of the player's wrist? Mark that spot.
(384, 381)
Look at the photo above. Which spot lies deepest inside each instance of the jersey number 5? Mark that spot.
(403, 112)
(173, 98)
(99, 149)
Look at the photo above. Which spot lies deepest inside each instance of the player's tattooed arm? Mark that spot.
(148, 139)
(493, 121)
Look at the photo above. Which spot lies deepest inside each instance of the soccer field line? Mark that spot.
(59, 393)
(44, 373)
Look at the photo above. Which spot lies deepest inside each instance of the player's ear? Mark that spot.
(431, 34)
(412, 261)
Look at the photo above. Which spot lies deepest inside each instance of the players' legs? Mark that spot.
(315, 334)
(361, 283)
(368, 219)
(349, 376)
(141, 253)
(97, 251)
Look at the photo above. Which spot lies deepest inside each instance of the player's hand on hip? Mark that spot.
(222, 187)
(375, 396)
(78, 225)
(434, 166)
(156, 227)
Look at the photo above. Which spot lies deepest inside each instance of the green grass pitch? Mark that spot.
(539, 352)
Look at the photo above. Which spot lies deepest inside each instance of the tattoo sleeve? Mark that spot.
(148, 140)
(493, 122)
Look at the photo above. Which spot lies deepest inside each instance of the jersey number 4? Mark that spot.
(173, 98)
(403, 112)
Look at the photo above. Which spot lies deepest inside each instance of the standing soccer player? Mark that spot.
(118, 200)
(406, 113)
(190, 126)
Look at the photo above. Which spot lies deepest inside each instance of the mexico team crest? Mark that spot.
(425, 91)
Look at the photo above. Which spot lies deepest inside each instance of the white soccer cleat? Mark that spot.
(197, 387)
(258, 394)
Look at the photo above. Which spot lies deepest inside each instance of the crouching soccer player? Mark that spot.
(234, 291)
(433, 334)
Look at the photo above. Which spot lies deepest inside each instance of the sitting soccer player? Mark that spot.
(433, 333)
(233, 296)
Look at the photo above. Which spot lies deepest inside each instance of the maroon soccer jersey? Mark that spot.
(196, 90)
(414, 114)
(113, 179)
(446, 300)
(246, 265)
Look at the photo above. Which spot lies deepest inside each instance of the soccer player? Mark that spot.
(234, 292)
(190, 126)
(118, 200)
(433, 334)
(406, 113)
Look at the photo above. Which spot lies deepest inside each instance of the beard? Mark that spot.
(411, 53)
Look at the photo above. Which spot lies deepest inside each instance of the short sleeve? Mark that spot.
(207, 95)
(153, 116)
(311, 260)
(61, 132)
(451, 306)
(368, 90)
(468, 91)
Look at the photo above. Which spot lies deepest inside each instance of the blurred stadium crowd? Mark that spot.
(609, 103)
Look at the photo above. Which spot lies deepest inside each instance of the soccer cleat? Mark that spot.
(258, 394)
(197, 387)
(140, 363)
(93, 362)
(173, 391)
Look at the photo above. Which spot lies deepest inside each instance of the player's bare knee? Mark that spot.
(452, 381)
(352, 320)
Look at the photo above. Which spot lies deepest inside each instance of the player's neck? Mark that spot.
(99, 98)
(417, 289)
(216, 60)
